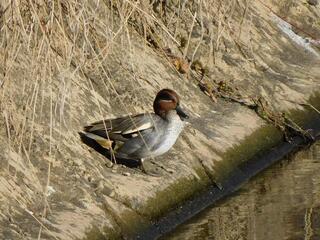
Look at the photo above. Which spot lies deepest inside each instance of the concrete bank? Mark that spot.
(234, 181)
(63, 65)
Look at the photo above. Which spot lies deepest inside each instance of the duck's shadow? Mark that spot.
(132, 163)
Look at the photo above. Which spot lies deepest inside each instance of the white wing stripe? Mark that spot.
(139, 128)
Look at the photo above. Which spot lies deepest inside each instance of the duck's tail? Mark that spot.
(103, 142)
(100, 144)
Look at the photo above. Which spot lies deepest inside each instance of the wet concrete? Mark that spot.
(281, 203)
(235, 181)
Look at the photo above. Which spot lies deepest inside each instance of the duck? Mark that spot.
(142, 136)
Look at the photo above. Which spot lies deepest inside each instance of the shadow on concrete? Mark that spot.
(131, 163)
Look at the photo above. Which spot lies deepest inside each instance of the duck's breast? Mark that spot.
(168, 137)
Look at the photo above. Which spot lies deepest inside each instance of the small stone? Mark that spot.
(112, 193)
(313, 2)
(170, 170)
(126, 174)
(98, 186)
(77, 162)
(50, 190)
(109, 164)
(108, 191)
(77, 176)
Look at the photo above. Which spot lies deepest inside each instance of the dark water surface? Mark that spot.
(283, 202)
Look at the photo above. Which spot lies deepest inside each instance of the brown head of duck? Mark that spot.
(168, 100)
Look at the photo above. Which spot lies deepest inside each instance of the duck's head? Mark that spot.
(168, 100)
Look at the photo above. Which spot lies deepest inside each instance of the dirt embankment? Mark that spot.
(238, 65)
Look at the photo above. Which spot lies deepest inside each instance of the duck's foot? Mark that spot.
(143, 169)
(168, 170)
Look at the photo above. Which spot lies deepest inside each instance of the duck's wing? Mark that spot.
(108, 131)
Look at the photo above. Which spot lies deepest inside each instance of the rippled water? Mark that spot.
(283, 202)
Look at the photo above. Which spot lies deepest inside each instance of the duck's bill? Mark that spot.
(181, 113)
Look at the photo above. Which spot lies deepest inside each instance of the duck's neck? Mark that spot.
(173, 117)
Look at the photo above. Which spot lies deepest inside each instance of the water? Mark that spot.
(283, 202)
